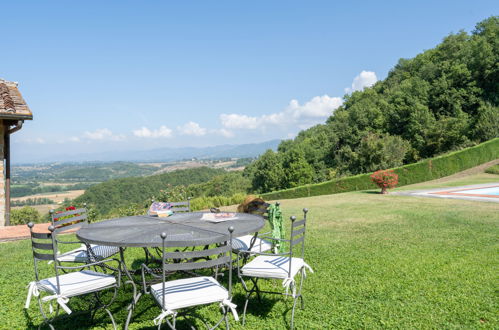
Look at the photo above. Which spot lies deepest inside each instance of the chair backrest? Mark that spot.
(72, 219)
(44, 247)
(298, 228)
(209, 257)
(184, 206)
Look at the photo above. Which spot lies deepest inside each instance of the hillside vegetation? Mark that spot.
(442, 100)
(122, 192)
(78, 172)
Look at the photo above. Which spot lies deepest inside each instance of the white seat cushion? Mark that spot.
(189, 292)
(272, 267)
(77, 283)
(243, 243)
(80, 254)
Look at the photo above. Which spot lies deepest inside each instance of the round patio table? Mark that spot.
(182, 230)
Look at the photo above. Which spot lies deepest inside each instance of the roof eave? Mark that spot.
(14, 116)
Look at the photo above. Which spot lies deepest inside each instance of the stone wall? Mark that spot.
(2, 175)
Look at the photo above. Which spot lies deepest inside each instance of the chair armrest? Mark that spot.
(69, 242)
(150, 271)
(87, 265)
(264, 234)
(270, 238)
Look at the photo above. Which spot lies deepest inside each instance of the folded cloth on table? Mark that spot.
(158, 207)
(164, 213)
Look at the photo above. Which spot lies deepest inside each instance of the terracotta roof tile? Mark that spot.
(12, 104)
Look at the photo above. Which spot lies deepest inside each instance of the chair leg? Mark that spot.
(46, 319)
(245, 307)
(293, 312)
(172, 324)
(131, 307)
(105, 306)
(146, 252)
(249, 292)
(111, 317)
(298, 295)
(302, 279)
(257, 289)
(226, 319)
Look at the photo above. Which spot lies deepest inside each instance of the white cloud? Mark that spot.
(162, 132)
(312, 112)
(239, 121)
(192, 128)
(74, 139)
(317, 107)
(364, 79)
(103, 134)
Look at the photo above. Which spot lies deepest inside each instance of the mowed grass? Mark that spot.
(380, 261)
(480, 178)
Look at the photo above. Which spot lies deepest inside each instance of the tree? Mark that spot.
(297, 171)
(486, 123)
(377, 152)
(267, 172)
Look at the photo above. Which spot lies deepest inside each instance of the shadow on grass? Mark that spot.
(374, 192)
(259, 308)
(81, 316)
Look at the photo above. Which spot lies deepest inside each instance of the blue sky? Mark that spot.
(128, 75)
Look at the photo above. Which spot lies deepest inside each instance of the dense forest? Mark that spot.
(444, 99)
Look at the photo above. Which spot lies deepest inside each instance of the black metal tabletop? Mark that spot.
(182, 229)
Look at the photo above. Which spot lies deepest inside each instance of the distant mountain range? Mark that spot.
(168, 154)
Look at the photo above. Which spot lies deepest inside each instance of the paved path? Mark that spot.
(12, 233)
(450, 192)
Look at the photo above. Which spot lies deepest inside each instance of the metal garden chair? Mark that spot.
(247, 244)
(183, 206)
(71, 220)
(281, 266)
(177, 297)
(176, 207)
(62, 287)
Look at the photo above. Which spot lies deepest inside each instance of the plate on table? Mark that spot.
(218, 217)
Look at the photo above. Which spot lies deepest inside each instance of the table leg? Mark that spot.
(136, 296)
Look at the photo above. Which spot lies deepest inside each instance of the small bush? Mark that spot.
(385, 179)
(24, 215)
(203, 203)
(493, 169)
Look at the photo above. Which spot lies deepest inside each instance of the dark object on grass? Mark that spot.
(253, 205)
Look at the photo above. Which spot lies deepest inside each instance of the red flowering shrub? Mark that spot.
(69, 208)
(385, 179)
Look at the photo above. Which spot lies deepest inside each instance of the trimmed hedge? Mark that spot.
(425, 170)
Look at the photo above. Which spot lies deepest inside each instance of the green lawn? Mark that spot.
(380, 261)
(481, 178)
